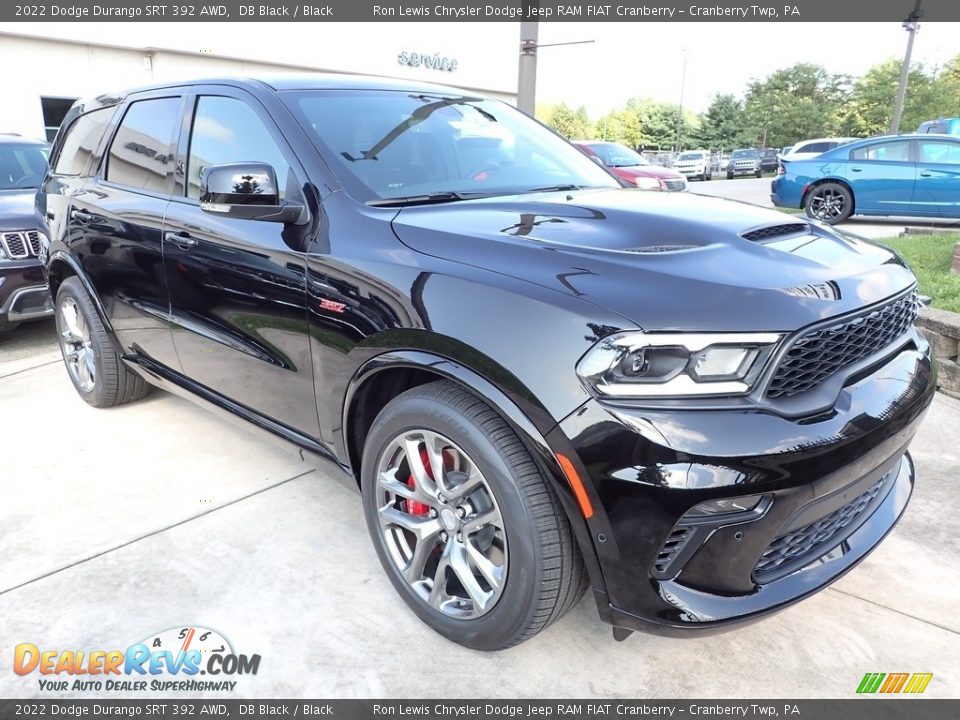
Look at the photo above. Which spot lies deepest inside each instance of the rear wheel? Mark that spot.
(829, 202)
(469, 532)
(89, 352)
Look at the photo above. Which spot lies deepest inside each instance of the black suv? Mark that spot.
(540, 382)
(23, 289)
(769, 159)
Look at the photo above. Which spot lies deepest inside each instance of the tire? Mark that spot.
(529, 546)
(829, 202)
(90, 353)
(729, 176)
(759, 173)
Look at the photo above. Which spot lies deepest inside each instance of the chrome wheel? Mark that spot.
(441, 524)
(76, 345)
(828, 204)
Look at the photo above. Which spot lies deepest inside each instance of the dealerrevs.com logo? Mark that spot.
(894, 683)
(181, 653)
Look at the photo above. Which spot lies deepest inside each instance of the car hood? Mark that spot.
(654, 171)
(17, 210)
(663, 261)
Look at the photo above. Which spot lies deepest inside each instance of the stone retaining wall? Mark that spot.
(942, 330)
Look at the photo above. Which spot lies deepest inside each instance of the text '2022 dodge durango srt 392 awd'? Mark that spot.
(540, 381)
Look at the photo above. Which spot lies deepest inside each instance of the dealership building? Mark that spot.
(49, 65)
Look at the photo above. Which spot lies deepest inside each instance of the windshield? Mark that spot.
(388, 144)
(22, 166)
(615, 155)
(691, 156)
(740, 154)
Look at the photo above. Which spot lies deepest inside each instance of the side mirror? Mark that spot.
(245, 190)
(597, 160)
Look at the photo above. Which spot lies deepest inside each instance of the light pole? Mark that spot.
(683, 84)
(527, 79)
(911, 25)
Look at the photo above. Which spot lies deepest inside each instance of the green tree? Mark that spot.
(609, 127)
(794, 103)
(572, 124)
(724, 125)
(870, 108)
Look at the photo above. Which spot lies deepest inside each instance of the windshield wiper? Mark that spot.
(552, 188)
(428, 199)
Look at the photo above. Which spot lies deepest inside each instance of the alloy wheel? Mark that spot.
(441, 525)
(827, 204)
(76, 345)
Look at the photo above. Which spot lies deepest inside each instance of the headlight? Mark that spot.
(644, 365)
(647, 183)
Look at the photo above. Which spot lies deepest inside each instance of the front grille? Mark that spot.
(673, 185)
(818, 354)
(797, 548)
(671, 549)
(21, 245)
(770, 231)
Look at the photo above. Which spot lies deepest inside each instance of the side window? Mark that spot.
(897, 151)
(227, 130)
(944, 153)
(142, 154)
(81, 141)
(817, 147)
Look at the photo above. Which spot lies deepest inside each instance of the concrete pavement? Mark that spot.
(756, 191)
(121, 523)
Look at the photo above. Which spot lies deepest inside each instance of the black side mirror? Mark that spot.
(245, 190)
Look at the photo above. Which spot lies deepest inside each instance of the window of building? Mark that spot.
(54, 111)
(81, 142)
(227, 130)
(142, 154)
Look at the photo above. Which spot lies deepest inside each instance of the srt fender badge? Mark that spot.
(332, 306)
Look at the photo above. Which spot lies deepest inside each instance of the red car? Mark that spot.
(632, 166)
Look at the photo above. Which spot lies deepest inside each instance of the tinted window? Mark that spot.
(22, 166)
(227, 130)
(81, 141)
(945, 153)
(897, 151)
(395, 144)
(817, 147)
(142, 152)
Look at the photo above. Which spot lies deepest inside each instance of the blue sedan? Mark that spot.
(909, 175)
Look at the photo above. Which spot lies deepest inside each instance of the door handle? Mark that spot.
(81, 216)
(926, 174)
(856, 169)
(181, 240)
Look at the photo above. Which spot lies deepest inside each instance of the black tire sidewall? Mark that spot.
(72, 288)
(511, 614)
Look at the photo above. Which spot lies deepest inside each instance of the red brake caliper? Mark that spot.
(415, 507)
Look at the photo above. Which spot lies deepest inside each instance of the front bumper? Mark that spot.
(742, 170)
(649, 467)
(24, 294)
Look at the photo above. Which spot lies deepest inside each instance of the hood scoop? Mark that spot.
(768, 232)
(655, 249)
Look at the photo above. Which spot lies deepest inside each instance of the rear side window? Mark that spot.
(227, 130)
(897, 151)
(142, 154)
(817, 147)
(81, 141)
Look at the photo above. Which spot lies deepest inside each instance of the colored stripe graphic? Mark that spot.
(893, 683)
(918, 682)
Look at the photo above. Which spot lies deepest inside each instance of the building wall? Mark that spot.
(53, 66)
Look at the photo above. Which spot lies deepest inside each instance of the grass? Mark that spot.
(930, 256)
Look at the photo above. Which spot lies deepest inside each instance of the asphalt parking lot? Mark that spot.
(120, 523)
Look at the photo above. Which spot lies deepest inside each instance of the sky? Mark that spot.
(626, 59)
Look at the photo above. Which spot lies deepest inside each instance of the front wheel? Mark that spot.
(468, 530)
(829, 202)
